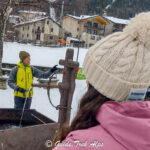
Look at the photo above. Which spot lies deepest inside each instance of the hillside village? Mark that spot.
(46, 37)
(42, 26)
(88, 69)
(39, 28)
(44, 29)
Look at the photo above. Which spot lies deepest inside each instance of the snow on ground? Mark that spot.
(42, 56)
(40, 100)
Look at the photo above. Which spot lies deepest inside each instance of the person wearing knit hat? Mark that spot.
(23, 55)
(114, 113)
(21, 80)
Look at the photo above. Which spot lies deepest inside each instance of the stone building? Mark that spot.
(40, 31)
(115, 24)
(89, 29)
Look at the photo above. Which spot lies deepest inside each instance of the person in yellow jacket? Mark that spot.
(21, 80)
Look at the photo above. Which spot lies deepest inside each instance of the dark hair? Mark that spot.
(85, 117)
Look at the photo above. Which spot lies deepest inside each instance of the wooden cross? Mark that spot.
(67, 86)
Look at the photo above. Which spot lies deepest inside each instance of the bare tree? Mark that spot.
(5, 10)
(7, 6)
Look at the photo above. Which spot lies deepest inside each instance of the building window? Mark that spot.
(98, 38)
(102, 27)
(51, 37)
(77, 29)
(92, 37)
(91, 45)
(95, 32)
(95, 25)
(43, 30)
(52, 29)
(89, 31)
(47, 22)
(27, 35)
(89, 24)
(22, 35)
(85, 25)
(38, 29)
(78, 22)
(38, 37)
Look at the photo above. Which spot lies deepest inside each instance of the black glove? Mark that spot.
(20, 89)
(54, 68)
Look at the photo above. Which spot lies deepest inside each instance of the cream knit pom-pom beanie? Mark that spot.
(121, 61)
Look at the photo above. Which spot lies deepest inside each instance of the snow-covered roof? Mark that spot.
(14, 16)
(73, 39)
(33, 20)
(32, 12)
(82, 17)
(40, 56)
(117, 20)
(36, 20)
(85, 17)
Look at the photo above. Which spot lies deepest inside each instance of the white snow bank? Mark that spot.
(40, 56)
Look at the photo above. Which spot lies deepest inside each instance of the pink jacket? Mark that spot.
(123, 126)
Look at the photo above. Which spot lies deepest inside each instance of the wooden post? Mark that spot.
(67, 86)
(1, 41)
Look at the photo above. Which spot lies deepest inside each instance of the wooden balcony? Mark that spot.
(94, 28)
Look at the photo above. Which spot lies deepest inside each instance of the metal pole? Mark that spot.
(50, 10)
(78, 50)
(62, 11)
(24, 107)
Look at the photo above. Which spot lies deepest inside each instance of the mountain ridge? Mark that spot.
(124, 9)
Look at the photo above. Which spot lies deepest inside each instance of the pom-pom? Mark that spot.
(139, 28)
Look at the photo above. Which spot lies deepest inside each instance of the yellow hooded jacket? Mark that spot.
(24, 79)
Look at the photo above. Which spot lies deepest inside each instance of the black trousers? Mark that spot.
(19, 102)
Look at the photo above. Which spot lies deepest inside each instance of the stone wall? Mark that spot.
(3, 82)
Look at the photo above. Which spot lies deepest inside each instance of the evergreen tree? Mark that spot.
(120, 8)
